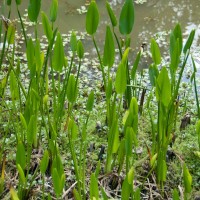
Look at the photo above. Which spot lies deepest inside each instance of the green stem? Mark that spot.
(100, 61)
(22, 24)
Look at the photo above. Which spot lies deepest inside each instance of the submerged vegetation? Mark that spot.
(127, 134)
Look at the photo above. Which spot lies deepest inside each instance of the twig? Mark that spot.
(67, 191)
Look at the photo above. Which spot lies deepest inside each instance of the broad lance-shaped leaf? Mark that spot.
(39, 57)
(92, 18)
(189, 42)
(90, 101)
(111, 14)
(72, 89)
(47, 28)
(109, 89)
(11, 34)
(187, 179)
(135, 66)
(44, 162)
(175, 57)
(13, 194)
(94, 190)
(73, 42)
(18, 2)
(9, 2)
(127, 186)
(80, 49)
(57, 163)
(34, 9)
(178, 35)
(153, 74)
(175, 195)
(163, 87)
(20, 155)
(14, 86)
(57, 182)
(120, 82)
(155, 51)
(73, 129)
(53, 10)
(21, 174)
(198, 132)
(109, 49)
(129, 141)
(32, 130)
(126, 20)
(58, 55)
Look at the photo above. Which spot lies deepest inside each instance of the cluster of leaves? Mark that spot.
(39, 120)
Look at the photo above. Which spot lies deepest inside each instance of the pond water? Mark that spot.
(152, 17)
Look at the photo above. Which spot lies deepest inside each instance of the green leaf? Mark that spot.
(126, 20)
(21, 155)
(187, 179)
(56, 182)
(120, 82)
(94, 190)
(73, 42)
(90, 101)
(130, 175)
(30, 54)
(18, 2)
(178, 35)
(32, 130)
(163, 87)
(109, 89)
(137, 194)
(175, 195)
(34, 9)
(53, 10)
(111, 14)
(21, 174)
(72, 89)
(113, 138)
(13, 194)
(58, 56)
(153, 160)
(189, 42)
(92, 18)
(164, 171)
(39, 57)
(133, 112)
(11, 33)
(125, 56)
(44, 162)
(9, 2)
(73, 129)
(198, 132)
(23, 121)
(121, 154)
(77, 196)
(129, 141)
(155, 51)
(80, 49)
(175, 57)
(153, 74)
(14, 86)
(109, 49)
(57, 163)
(104, 195)
(47, 28)
(127, 186)
(135, 65)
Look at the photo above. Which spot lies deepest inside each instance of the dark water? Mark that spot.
(153, 18)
